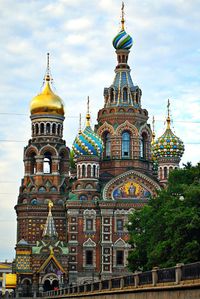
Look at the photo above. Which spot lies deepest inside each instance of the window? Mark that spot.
(125, 145)
(89, 224)
(94, 170)
(142, 147)
(165, 172)
(120, 224)
(107, 145)
(83, 171)
(89, 257)
(47, 163)
(111, 95)
(120, 258)
(33, 164)
(125, 94)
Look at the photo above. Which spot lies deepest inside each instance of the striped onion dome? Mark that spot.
(122, 41)
(87, 142)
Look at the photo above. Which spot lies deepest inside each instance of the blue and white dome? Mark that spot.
(87, 142)
(122, 41)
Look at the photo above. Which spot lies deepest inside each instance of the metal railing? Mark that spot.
(174, 275)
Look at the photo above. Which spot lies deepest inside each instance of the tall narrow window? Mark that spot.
(48, 128)
(165, 172)
(94, 171)
(120, 258)
(89, 257)
(89, 224)
(125, 145)
(142, 147)
(47, 165)
(125, 94)
(33, 164)
(42, 128)
(120, 225)
(107, 145)
(143, 142)
(83, 171)
(112, 97)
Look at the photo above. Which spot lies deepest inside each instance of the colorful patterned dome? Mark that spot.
(122, 41)
(87, 142)
(168, 145)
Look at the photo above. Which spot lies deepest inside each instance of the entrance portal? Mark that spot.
(50, 285)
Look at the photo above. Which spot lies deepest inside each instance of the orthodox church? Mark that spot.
(73, 206)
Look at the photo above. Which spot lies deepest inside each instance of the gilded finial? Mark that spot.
(153, 132)
(168, 115)
(88, 113)
(122, 18)
(47, 75)
(50, 205)
(79, 123)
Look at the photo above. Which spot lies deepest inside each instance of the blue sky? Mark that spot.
(164, 59)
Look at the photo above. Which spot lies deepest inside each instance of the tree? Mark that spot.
(167, 230)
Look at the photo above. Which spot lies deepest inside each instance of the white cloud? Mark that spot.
(164, 61)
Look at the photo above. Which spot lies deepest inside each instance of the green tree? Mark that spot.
(167, 230)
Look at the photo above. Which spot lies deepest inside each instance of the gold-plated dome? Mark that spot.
(47, 102)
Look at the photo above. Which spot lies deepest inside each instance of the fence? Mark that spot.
(155, 277)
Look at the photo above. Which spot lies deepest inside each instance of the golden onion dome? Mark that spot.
(47, 102)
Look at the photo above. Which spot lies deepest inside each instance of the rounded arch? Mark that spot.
(31, 150)
(64, 151)
(145, 129)
(48, 148)
(127, 126)
(125, 94)
(105, 127)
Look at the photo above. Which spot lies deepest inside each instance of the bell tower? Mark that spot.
(46, 167)
(122, 122)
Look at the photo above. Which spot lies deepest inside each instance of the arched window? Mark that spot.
(36, 128)
(48, 128)
(125, 94)
(59, 129)
(125, 145)
(33, 164)
(83, 171)
(142, 147)
(94, 171)
(42, 129)
(112, 95)
(143, 140)
(54, 128)
(165, 172)
(47, 165)
(107, 145)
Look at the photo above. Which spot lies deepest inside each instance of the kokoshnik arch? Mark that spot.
(71, 222)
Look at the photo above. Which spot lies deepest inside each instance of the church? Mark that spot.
(73, 204)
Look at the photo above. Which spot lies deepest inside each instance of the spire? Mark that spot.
(50, 229)
(168, 115)
(47, 76)
(153, 132)
(88, 113)
(79, 124)
(122, 18)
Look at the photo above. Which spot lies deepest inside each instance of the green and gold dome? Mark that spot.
(168, 145)
(87, 142)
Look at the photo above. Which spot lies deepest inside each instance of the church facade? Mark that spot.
(73, 228)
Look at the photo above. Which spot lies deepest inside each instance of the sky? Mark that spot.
(164, 60)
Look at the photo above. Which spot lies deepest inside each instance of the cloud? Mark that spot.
(164, 60)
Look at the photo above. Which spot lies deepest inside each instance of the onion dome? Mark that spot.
(47, 102)
(87, 142)
(122, 40)
(168, 145)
